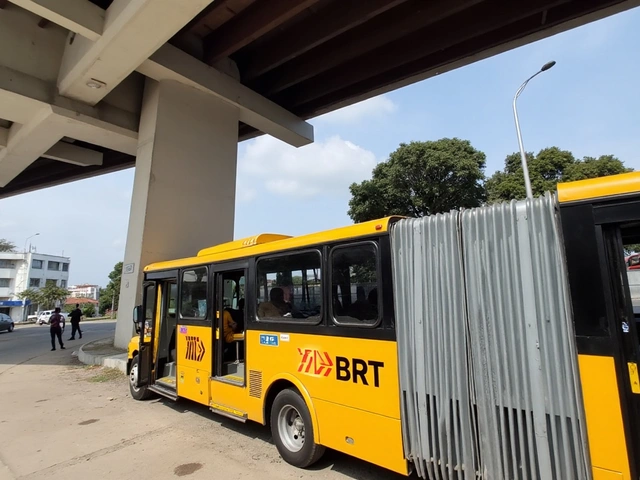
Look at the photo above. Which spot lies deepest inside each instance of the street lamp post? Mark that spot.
(523, 156)
(26, 276)
(27, 239)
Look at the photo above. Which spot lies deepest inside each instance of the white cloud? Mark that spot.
(321, 167)
(371, 108)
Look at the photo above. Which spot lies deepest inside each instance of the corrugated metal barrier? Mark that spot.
(488, 367)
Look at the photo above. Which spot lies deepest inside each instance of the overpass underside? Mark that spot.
(306, 56)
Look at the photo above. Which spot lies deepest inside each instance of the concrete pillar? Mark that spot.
(184, 186)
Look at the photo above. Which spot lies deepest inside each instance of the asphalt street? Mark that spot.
(28, 342)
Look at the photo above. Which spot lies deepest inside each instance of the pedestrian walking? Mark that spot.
(75, 316)
(56, 322)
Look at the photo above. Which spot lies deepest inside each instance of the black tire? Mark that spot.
(285, 406)
(11, 327)
(138, 393)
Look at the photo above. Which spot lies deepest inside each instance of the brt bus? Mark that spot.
(478, 344)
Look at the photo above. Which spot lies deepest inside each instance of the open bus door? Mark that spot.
(144, 317)
(625, 331)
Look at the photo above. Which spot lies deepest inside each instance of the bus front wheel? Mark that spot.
(292, 430)
(138, 393)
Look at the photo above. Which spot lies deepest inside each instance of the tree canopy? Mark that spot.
(112, 291)
(45, 297)
(7, 246)
(547, 168)
(421, 178)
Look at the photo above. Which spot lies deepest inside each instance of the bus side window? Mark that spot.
(289, 288)
(354, 278)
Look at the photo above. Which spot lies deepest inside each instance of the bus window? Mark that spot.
(354, 281)
(193, 294)
(289, 288)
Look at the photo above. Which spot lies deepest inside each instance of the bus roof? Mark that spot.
(602, 187)
(270, 242)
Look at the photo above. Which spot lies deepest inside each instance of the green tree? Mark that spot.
(88, 310)
(47, 297)
(421, 178)
(546, 169)
(7, 246)
(112, 292)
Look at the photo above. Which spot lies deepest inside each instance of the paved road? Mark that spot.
(29, 342)
(64, 421)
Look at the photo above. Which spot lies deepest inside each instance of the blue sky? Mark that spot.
(589, 103)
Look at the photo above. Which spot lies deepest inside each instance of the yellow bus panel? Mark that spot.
(601, 396)
(610, 186)
(193, 368)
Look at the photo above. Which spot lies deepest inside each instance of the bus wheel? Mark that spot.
(292, 430)
(139, 393)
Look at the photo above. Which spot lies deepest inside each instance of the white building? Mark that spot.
(85, 291)
(20, 271)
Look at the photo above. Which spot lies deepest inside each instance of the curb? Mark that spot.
(118, 361)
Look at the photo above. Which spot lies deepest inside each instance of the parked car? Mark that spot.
(43, 318)
(6, 323)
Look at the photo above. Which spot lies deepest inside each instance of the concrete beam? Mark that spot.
(70, 153)
(28, 142)
(169, 63)
(79, 16)
(133, 30)
(4, 137)
(22, 96)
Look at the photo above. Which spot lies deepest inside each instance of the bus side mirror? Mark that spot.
(137, 317)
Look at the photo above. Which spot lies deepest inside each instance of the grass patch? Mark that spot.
(106, 375)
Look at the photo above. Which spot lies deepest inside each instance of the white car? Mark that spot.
(43, 318)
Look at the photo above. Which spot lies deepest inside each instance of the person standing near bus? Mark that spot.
(75, 316)
(56, 321)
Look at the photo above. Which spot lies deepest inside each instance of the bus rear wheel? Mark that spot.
(292, 430)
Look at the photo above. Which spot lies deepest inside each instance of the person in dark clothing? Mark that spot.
(75, 316)
(56, 321)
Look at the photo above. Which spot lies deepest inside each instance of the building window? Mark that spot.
(34, 283)
(63, 283)
(36, 264)
(5, 282)
(7, 264)
(51, 282)
(53, 266)
(65, 267)
(354, 285)
(193, 294)
(290, 288)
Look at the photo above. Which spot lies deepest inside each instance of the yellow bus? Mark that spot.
(497, 342)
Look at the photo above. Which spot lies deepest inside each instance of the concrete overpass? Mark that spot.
(94, 86)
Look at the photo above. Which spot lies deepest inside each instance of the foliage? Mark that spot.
(46, 297)
(421, 178)
(7, 246)
(547, 168)
(632, 248)
(112, 290)
(88, 309)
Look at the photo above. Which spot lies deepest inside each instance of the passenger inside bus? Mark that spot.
(232, 323)
(364, 308)
(276, 306)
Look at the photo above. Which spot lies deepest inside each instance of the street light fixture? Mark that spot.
(523, 156)
(25, 242)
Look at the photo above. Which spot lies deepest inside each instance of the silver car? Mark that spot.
(6, 323)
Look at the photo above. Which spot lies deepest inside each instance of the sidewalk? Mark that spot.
(102, 352)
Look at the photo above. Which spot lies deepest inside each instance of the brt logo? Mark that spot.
(357, 370)
(314, 362)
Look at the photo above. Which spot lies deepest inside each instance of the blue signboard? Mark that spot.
(13, 303)
(269, 340)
